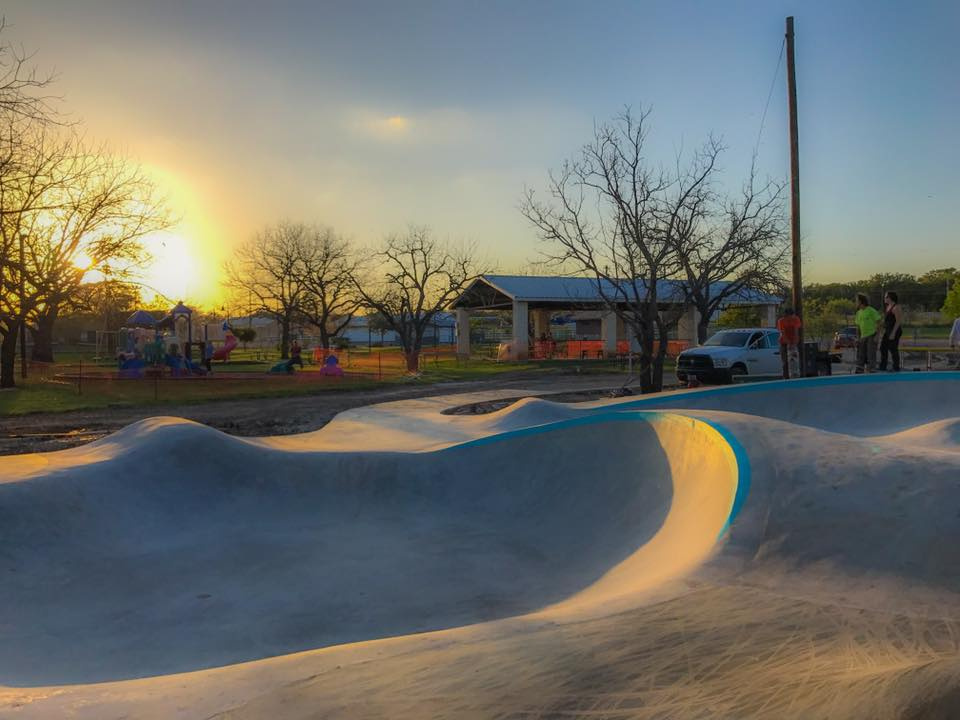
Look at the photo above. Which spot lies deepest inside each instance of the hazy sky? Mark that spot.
(370, 115)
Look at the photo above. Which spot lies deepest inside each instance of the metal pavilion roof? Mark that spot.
(585, 291)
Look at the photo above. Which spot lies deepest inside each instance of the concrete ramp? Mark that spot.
(783, 550)
(170, 547)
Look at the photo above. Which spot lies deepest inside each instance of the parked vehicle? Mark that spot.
(745, 351)
(845, 337)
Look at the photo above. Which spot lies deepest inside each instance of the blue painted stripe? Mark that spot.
(663, 399)
(744, 472)
(739, 452)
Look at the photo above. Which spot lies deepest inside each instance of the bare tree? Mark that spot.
(327, 269)
(414, 278)
(269, 270)
(102, 212)
(731, 248)
(23, 89)
(614, 218)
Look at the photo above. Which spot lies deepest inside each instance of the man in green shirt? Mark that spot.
(868, 323)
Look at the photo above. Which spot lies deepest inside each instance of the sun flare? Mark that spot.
(172, 268)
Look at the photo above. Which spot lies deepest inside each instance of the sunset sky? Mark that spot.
(366, 116)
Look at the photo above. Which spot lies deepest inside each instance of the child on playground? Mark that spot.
(208, 356)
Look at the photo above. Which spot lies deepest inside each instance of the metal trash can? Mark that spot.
(816, 361)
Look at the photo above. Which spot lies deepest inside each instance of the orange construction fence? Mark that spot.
(592, 349)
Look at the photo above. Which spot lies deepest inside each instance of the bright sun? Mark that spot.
(173, 269)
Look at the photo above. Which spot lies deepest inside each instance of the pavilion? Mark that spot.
(536, 298)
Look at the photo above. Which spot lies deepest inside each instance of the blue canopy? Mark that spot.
(141, 318)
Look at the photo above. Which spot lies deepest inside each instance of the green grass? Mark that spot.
(56, 396)
(60, 394)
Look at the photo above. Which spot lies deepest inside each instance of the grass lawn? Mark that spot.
(60, 392)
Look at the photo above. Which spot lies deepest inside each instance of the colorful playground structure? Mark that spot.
(147, 343)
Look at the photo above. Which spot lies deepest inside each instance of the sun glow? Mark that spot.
(185, 260)
(173, 267)
(82, 261)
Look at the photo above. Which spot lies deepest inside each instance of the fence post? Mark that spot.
(80, 379)
(156, 383)
(380, 365)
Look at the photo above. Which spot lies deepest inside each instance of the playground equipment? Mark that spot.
(331, 367)
(229, 343)
(146, 342)
(284, 366)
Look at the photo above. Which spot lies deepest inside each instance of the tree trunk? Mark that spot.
(658, 362)
(702, 326)
(413, 360)
(8, 356)
(324, 336)
(646, 361)
(285, 339)
(43, 336)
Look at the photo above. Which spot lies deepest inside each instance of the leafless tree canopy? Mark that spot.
(293, 272)
(609, 214)
(267, 269)
(731, 245)
(24, 91)
(327, 267)
(412, 278)
(65, 209)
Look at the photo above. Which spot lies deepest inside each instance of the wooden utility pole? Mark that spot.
(795, 188)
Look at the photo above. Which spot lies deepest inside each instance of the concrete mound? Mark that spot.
(179, 548)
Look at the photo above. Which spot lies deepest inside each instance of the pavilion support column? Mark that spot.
(608, 333)
(687, 327)
(521, 330)
(769, 316)
(541, 323)
(463, 332)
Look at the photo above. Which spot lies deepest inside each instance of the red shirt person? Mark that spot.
(789, 326)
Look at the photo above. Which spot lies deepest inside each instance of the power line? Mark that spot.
(773, 83)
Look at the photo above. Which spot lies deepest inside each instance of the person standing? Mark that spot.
(789, 326)
(892, 330)
(868, 324)
(296, 357)
(208, 356)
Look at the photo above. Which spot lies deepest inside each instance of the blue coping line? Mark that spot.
(739, 452)
(663, 400)
(744, 472)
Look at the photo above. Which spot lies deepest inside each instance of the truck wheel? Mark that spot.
(738, 369)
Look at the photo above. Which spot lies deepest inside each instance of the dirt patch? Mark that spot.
(576, 396)
(42, 432)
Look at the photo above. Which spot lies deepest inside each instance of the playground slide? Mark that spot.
(229, 343)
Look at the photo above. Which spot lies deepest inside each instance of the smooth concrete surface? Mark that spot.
(783, 549)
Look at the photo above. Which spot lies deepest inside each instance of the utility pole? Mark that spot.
(795, 188)
(23, 313)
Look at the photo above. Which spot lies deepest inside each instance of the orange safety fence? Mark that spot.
(593, 349)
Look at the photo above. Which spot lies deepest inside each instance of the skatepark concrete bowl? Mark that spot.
(785, 549)
(171, 547)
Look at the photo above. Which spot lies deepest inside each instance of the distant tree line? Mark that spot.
(923, 293)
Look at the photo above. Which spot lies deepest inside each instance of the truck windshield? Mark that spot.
(729, 339)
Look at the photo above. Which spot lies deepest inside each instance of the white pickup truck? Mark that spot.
(746, 351)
